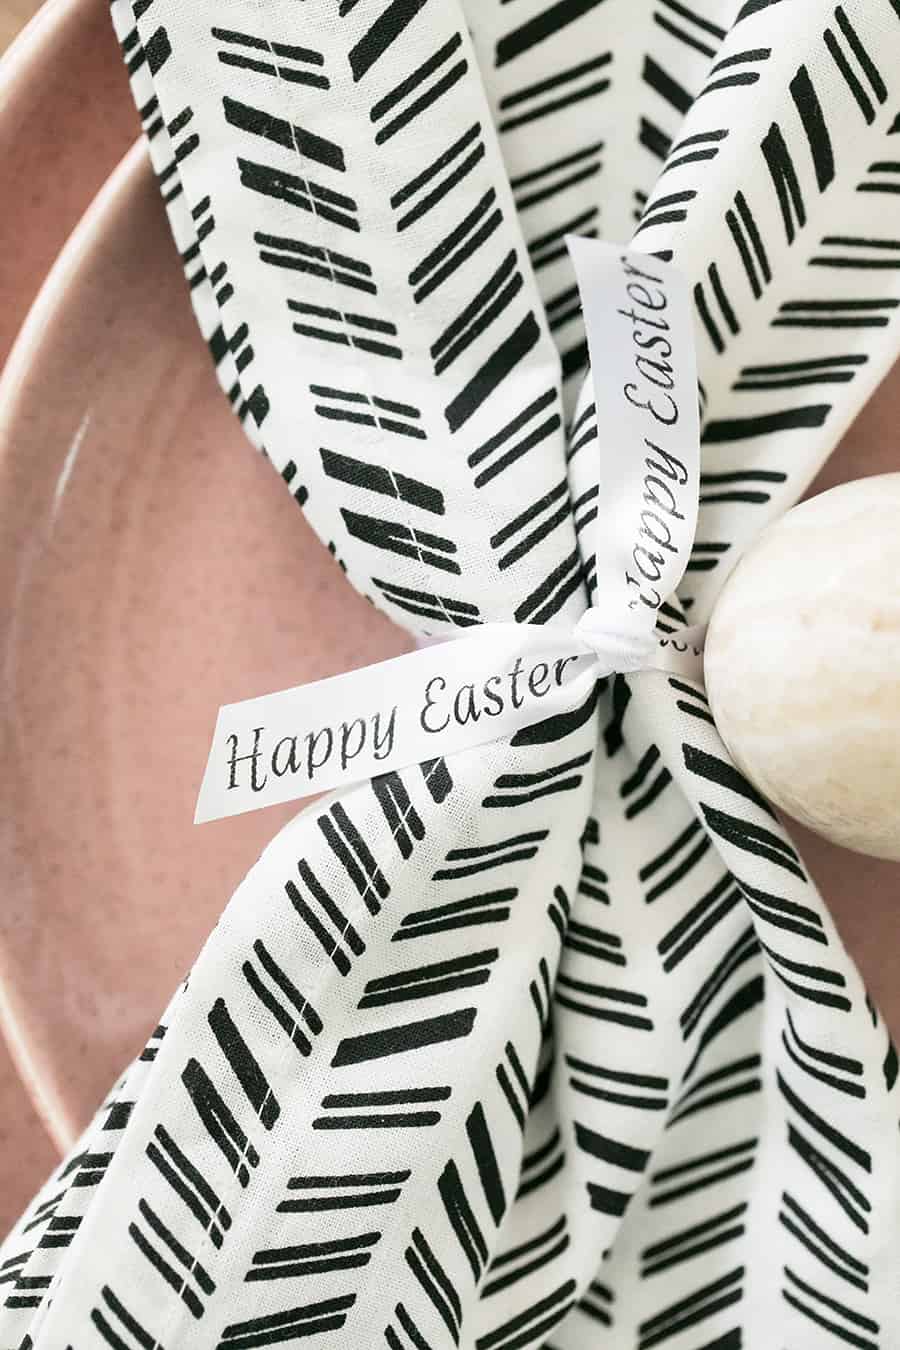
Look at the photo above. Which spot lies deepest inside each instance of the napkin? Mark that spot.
(551, 1042)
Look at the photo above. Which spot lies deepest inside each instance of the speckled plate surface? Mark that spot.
(152, 566)
(66, 118)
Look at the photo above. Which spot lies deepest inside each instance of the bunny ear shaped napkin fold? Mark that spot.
(553, 1042)
(376, 996)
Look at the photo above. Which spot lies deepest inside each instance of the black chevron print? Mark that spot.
(190, 1185)
(117, 1325)
(703, 1303)
(325, 920)
(388, 415)
(323, 201)
(440, 977)
(418, 92)
(280, 996)
(517, 1263)
(326, 1193)
(411, 1109)
(846, 1193)
(159, 1245)
(539, 99)
(404, 1037)
(467, 862)
(285, 1263)
(830, 1313)
(694, 1241)
(533, 1323)
(370, 204)
(801, 1225)
(427, 189)
(607, 1199)
(281, 60)
(258, 122)
(486, 907)
(671, 1184)
(275, 1328)
(220, 1121)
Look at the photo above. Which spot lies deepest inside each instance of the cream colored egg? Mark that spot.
(803, 664)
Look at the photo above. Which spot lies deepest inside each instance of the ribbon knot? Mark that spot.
(618, 649)
(500, 678)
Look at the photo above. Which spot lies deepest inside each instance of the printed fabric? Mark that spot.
(550, 1043)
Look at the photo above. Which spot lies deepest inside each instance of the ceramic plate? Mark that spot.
(64, 122)
(66, 118)
(152, 566)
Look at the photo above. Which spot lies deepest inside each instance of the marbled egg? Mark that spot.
(803, 664)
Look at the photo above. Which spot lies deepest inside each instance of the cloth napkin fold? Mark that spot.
(552, 1043)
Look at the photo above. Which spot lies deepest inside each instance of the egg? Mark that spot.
(802, 664)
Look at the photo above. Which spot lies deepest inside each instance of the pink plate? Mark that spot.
(66, 118)
(152, 566)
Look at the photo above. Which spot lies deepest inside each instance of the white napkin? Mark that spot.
(554, 1043)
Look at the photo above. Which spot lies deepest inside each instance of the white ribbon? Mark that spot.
(499, 678)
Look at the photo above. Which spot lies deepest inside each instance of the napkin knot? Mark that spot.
(620, 650)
